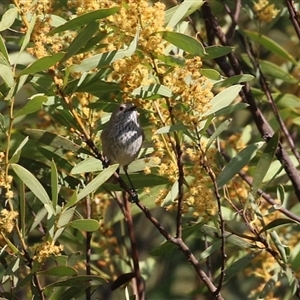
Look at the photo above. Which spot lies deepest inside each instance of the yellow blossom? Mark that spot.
(7, 220)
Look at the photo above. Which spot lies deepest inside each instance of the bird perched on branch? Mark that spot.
(122, 138)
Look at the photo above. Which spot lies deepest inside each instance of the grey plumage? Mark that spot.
(122, 136)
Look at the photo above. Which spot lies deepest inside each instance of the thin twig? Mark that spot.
(140, 286)
(271, 101)
(294, 16)
(184, 249)
(262, 125)
(234, 18)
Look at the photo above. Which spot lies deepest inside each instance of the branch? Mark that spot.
(185, 250)
(263, 126)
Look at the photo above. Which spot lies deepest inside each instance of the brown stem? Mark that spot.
(262, 125)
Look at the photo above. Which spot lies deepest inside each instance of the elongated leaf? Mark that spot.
(270, 45)
(28, 32)
(231, 109)
(81, 280)
(88, 165)
(3, 49)
(216, 51)
(237, 163)
(224, 98)
(43, 64)
(276, 223)
(218, 131)
(282, 249)
(270, 285)
(81, 39)
(210, 250)
(51, 139)
(85, 225)
(34, 104)
(170, 12)
(184, 42)
(277, 72)
(104, 59)
(8, 18)
(34, 185)
(239, 265)
(171, 128)
(234, 80)
(181, 11)
(97, 181)
(85, 19)
(210, 73)
(7, 75)
(152, 89)
(264, 163)
(59, 271)
(16, 156)
(54, 184)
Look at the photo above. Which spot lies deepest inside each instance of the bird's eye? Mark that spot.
(121, 108)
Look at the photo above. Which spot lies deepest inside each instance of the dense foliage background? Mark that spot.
(216, 212)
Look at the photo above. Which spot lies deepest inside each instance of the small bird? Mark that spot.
(122, 138)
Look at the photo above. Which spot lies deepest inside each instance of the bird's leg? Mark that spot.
(134, 197)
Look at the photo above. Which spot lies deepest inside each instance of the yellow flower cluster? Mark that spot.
(5, 180)
(265, 11)
(200, 194)
(7, 220)
(193, 89)
(45, 250)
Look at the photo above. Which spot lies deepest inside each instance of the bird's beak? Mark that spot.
(132, 108)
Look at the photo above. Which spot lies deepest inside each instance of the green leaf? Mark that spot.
(182, 11)
(3, 49)
(171, 128)
(275, 71)
(210, 250)
(85, 225)
(152, 89)
(88, 165)
(8, 18)
(282, 249)
(270, 285)
(81, 280)
(85, 19)
(218, 131)
(97, 181)
(16, 156)
(54, 184)
(60, 161)
(104, 59)
(52, 139)
(270, 45)
(237, 163)
(42, 64)
(170, 12)
(171, 60)
(223, 99)
(234, 80)
(81, 39)
(231, 109)
(34, 104)
(34, 185)
(276, 223)
(27, 37)
(7, 75)
(59, 271)
(210, 73)
(239, 265)
(216, 51)
(264, 163)
(184, 42)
